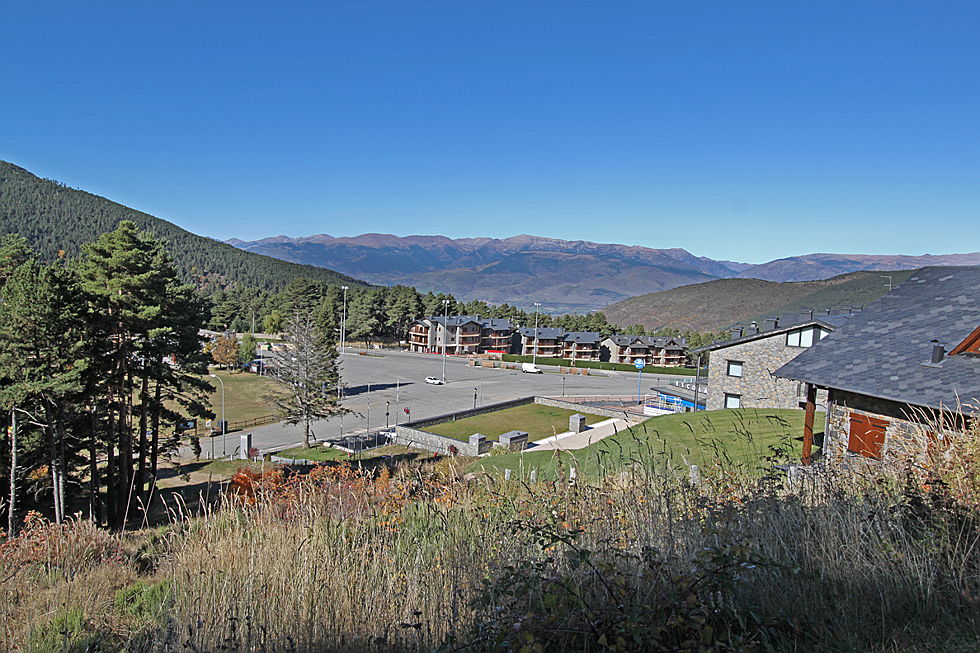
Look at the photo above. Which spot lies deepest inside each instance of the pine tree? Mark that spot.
(308, 373)
(149, 326)
(44, 362)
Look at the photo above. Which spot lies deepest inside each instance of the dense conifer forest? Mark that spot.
(56, 220)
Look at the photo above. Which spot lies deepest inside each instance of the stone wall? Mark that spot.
(452, 417)
(905, 434)
(757, 386)
(579, 408)
(419, 439)
(413, 434)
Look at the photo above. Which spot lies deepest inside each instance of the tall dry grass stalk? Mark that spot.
(639, 560)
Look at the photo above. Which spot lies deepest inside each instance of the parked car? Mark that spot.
(434, 380)
(530, 368)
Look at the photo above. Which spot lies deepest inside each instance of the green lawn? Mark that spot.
(740, 437)
(538, 421)
(319, 454)
(244, 395)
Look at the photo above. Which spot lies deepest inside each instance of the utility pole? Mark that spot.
(697, 382)
(445, 330)
(224, 423)
(888, 276)
(343, 322)
(534, 353)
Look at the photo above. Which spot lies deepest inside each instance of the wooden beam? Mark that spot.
(811, 408)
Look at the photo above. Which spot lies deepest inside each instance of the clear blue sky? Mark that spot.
(738, 130)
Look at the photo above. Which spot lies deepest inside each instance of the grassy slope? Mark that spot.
(740, 436)
(718, 304)
(539, 422)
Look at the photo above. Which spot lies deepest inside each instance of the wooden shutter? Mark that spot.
(867, 435)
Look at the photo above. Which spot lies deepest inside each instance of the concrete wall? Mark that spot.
(757, 386)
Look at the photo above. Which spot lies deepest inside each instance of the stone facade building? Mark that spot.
(905, 368)
(741, 371)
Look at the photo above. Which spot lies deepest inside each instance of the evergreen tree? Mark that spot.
(149, 326)
(43, 364)
(308, 373)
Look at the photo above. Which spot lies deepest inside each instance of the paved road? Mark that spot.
(392, 381)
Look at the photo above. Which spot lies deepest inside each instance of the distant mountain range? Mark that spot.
(55, 218)
(718, 304)
(562, 275)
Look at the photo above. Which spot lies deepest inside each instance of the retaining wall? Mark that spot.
(413, 434)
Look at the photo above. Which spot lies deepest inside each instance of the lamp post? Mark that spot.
(343, 322)
(474, 398)
(534, 352)
(224, 423)
(445, 330)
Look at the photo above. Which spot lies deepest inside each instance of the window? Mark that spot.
(733, 401)
(734, 368)
(867, 435)
(801, 337)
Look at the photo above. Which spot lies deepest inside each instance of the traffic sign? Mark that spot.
(639, 363)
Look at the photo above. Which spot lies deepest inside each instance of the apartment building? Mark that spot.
(653, 350)
(461, 334)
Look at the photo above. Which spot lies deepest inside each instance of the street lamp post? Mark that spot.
(224, 423)
(343, 322)
(534, 352)
(445, 330)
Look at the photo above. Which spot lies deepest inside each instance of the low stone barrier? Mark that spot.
(413, 434)
(577, 407)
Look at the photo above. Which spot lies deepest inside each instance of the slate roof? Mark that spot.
(544, 333)
(885, 350)
(583, 337)
(788, 322)
(454, 321)
(496, 324)
(660, 342)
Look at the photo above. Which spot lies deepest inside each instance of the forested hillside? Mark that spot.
(55, 218)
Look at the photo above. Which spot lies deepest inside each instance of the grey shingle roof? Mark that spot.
(497, 324)
(884, 351)
(583, 337)
(454, 321)
(544, 333)
(786, 323)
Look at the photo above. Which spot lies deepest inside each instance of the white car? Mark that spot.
(434, 380)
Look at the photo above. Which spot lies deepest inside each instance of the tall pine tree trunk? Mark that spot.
(12, 511)
(53, 464)
(155, 439)
(60, 431)
(141, 454)
(94, 509)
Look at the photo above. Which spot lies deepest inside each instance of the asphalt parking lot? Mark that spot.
(382, 385)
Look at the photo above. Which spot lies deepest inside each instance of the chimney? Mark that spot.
(822, 312)
(771, 323)
(807, 313)
(938, 352)
(736, 333)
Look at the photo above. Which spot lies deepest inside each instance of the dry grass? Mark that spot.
(875, 560)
